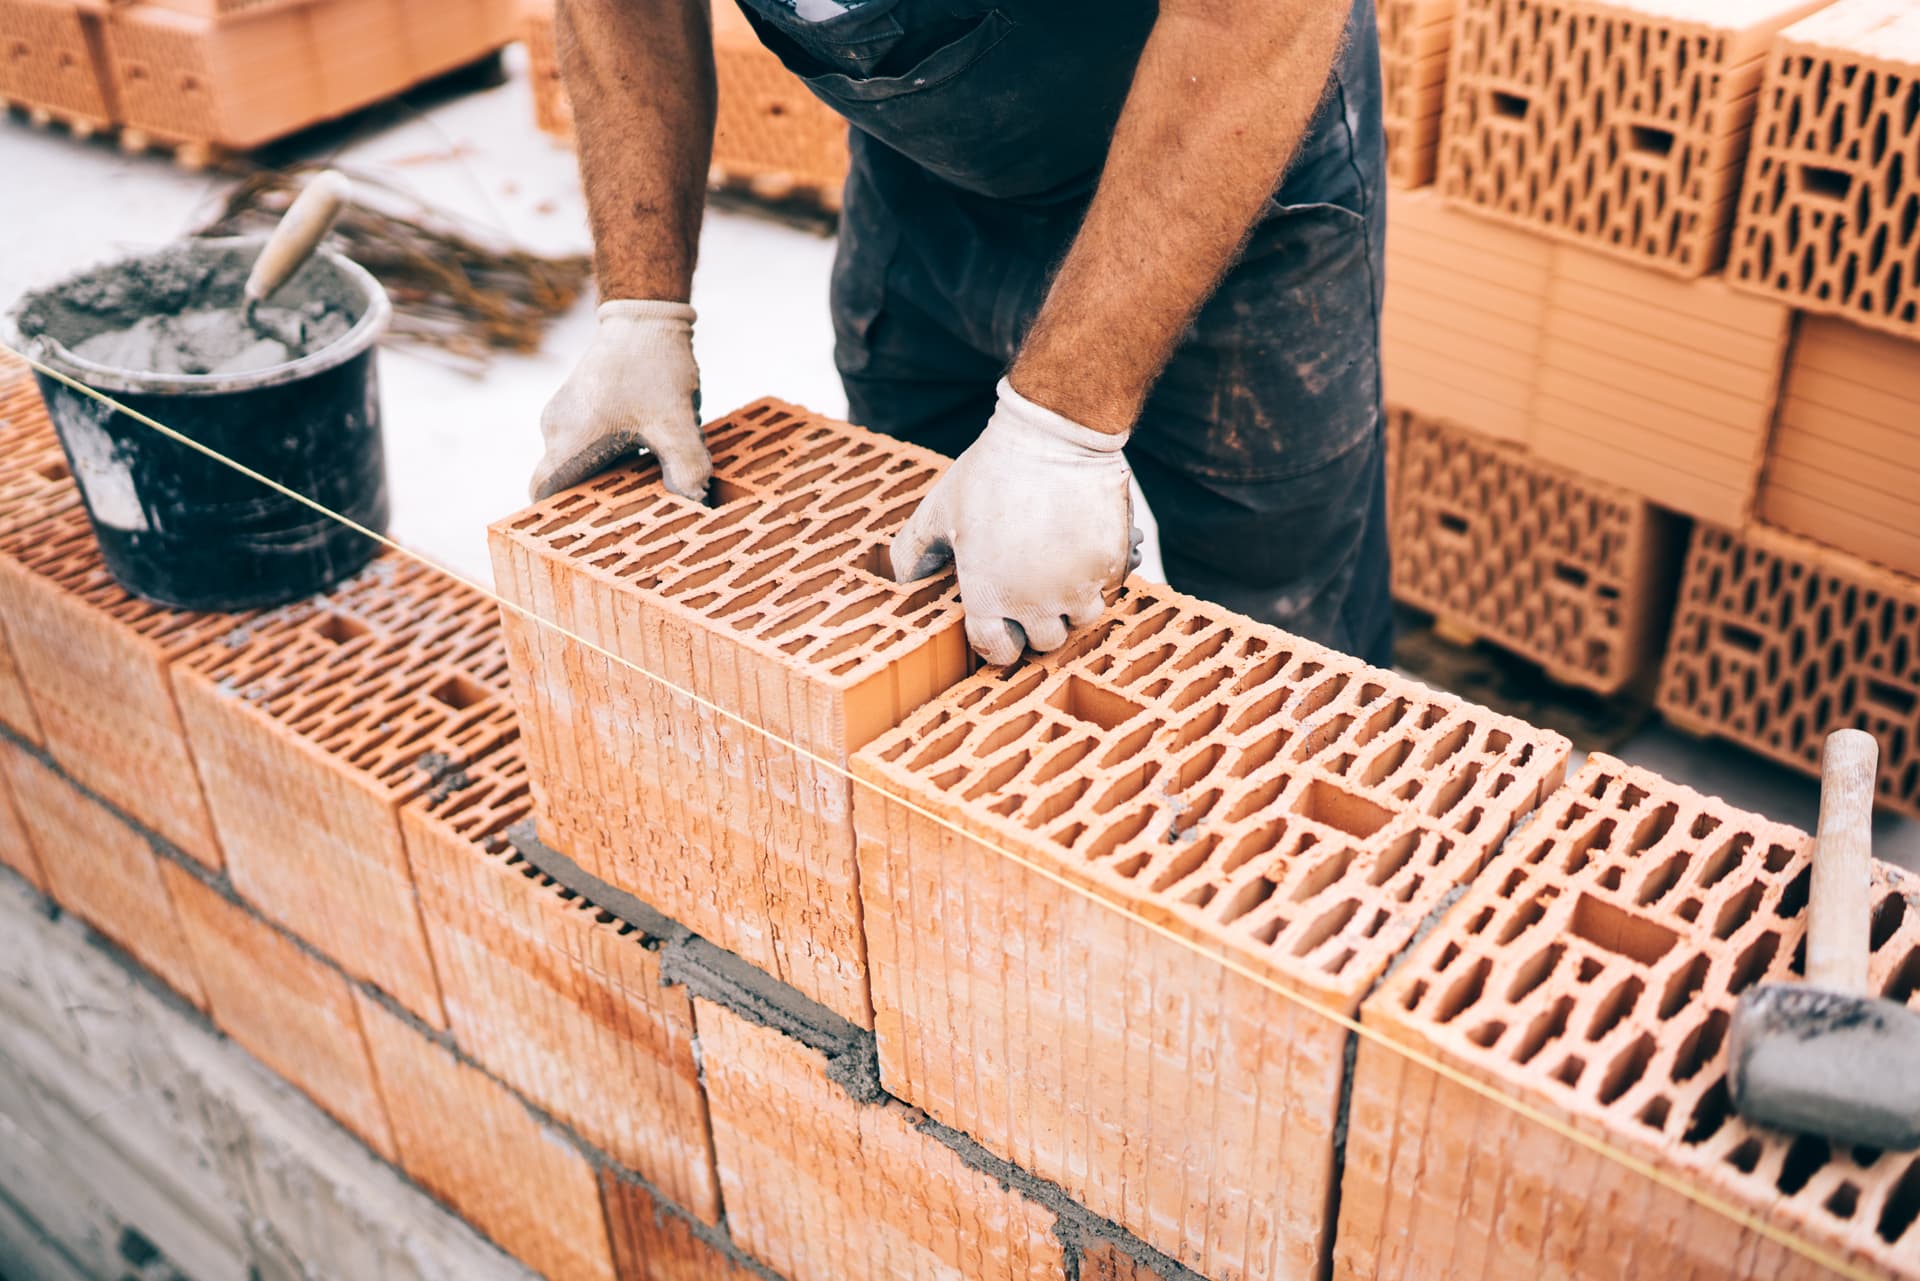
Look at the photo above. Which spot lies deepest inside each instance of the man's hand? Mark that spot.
(636, 386)
(1036, 516)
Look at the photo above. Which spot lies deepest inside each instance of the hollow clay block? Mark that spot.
(1619, 125)
(1591, 972)
(96, 661)
(1267, 812)
(775, 604)
(313, 724)
(55, 63)
(1568, 572)
(1414, 39)
(477, 1149)
(34, 484)
(549, 994)
(1827, 208)
(101, 870)
(821, 1188)
(1778, 641)
(289, 1010)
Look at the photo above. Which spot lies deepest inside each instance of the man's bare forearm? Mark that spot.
(1223, 94)
(640, 77)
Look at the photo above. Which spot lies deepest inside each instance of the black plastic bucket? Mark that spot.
(180, 528)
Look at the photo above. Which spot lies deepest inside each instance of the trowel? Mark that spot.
(299, 233)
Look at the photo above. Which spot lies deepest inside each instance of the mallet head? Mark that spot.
(1815, 1061)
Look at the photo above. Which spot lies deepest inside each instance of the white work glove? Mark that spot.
(636, 386)
(1037, 517)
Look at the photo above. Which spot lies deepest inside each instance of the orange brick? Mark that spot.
(312, 725)
(776, 606)
(552, 995)
(288, 1010)
(102, 871)
(16, 851)
(769, 125)
(97, 661)
(552, 111)
(1415, 36)
(1108, 1263)
(1570, 573)
(444, 34)
(475, 1147)
(821, 1188)
(1248, 795)
(34, 484)
(1777, 642)
(1620, 124)
(1843, 465)
(53, 60)
(1826, 210)
(237, 82)
(1591, 972)
(651, 1243)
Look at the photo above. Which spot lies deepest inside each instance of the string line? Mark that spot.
(1706, 1199)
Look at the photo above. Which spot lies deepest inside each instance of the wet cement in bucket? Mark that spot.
(217, 340)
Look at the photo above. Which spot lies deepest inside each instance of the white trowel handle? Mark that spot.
(300, 230)
(1842, 864)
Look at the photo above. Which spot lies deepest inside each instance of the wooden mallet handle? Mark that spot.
(1842, 864)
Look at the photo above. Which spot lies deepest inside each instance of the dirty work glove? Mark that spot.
(636, 387)
(1038, 519)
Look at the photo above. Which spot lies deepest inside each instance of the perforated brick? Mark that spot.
(1415, 36)
(52, 59)
(1591, 971)
(1843, 463)
(1777, 642)
(1664, 387)
(101, 870)
(312, 725)
(444, 34)
(551, 994)
(287, 1009)
(16, 850)
(552, 112)
(1829, 208)
(651, 1243)
(769, 125)
(778, 606)
(476, 1148)
(1570, 573)
(821, 1188)
(1255, 796)
(1620, 125)
(186, 78)
(1465, 315)
(96, 660)
(34, 484)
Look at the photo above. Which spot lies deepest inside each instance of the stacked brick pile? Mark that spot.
(205, 75)
(771, 135)
(1665, 270)
(1102, 903)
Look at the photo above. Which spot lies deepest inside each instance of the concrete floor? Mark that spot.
(460, 447)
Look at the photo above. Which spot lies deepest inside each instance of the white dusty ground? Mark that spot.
(460, 447)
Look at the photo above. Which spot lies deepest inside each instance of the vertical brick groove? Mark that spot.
(775, 604)
(1415, 36)
(1270, 801)
(551, 994)
(1591, 970)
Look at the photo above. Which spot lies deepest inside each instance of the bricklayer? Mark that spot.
(54, 61)
(1415, 36)
(34, 484)
(1465, 312)
(1664, 387)
(1619, 125)
(477, 1149)
(101, 870)
(1249, 794)
(312, 725)
(1778, 641)
(16, 850)
(1843, 465)
(821, 1188)
(96, 661)
(1568, 572)
(287, 1009)
(651, 1243)
(552, 995)
(1591, 971)
(777, 605)
(1829, 206)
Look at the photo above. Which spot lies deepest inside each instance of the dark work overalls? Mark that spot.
(980, 127)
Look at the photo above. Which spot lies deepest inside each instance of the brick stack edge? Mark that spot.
(509, 1044)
